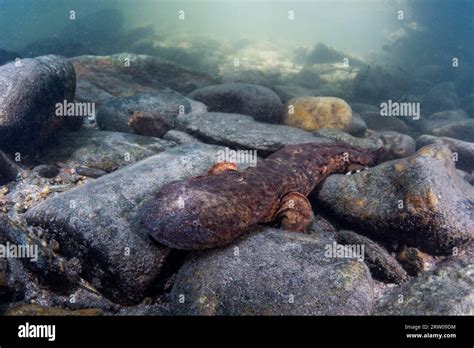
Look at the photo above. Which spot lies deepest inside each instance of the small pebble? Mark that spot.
(47, 171)
(90, 172)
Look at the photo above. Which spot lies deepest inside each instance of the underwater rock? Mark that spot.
(128, 74)
(254, 77)
(144, 114)
(415, 261)
(87, 92)
(63, 47)
(417, 201)
(322, 53)
(462, 149)
(261, 274)
(357, 127)
(287, 92)
(446, 291)
(306, 77)
(98, 222)
(90, 172)
(8, 169)
(47, 170)
(7, 56)
(313, 113)
(103, 150)
(396, 144)
(180, 137)
(243, 132)
(377, 122)
(375, 84)
(369, 144)
(28, 96)
(241, 98)
(441, 97)
(381, 264)
(461, 130)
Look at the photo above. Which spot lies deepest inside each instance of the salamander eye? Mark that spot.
(195, 223)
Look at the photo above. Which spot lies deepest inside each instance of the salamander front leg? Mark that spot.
(295, 213)
(221, 167)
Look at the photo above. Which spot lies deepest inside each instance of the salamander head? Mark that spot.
(174, 217)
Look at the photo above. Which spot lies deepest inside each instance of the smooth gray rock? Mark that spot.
(103, 150)
(337, 135)
(180, 137)
(357, 127)
(463, 149)
(272, 272)
(28, 97)
(417, 201)
(98, 222)
(243, 132)
(115, 114)
(287, 92)
(241, 98)
(459, 129)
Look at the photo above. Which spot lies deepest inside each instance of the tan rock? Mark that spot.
(313, 113)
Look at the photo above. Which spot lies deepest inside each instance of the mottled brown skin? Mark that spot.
(214, 209)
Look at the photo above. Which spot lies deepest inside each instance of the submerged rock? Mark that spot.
(370, 144)
(98, 222)
(287, 92)
(418, 201)
(180, 137)
(381, 264)
(28, 97)
(102, 150)
(8, 169)
(241, 98)
(446, 291)
(243, 132)
(313, 113)
(272, 272)
(47, 170)
(397, 145)
(460, 129)
(357, 127)
(127, 74)
(162, 107)
(462, 149)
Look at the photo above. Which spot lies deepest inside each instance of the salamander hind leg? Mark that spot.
(221, 167)
(295, 213)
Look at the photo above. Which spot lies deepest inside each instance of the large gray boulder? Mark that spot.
(29, 92)
(241, 98)
(103, 150)
(243, 132)
(417, 201)
(163, 106)
(463, 149)
(98, 222)
(272, 272)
